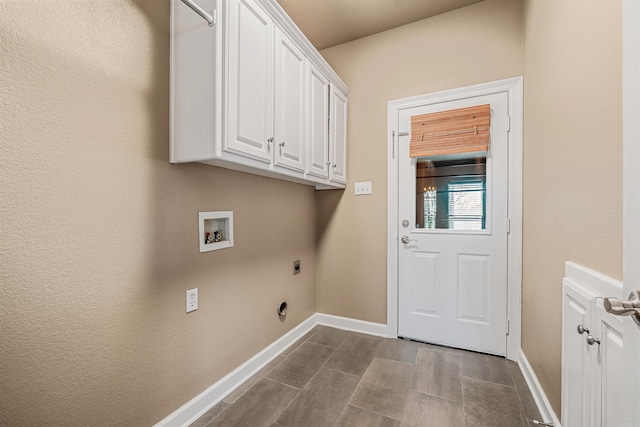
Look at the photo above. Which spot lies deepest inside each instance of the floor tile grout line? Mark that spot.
(436, 396)
(320, 368)
(249, 379)
(522, 408)
(342, 372)
(377, 413)
(312, 377)
(489, 381)
(286, 407)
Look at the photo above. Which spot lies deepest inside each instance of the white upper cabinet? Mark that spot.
(338, 137)
(250, 93)
(196, 61)
(249, 101)
(318, 128)
(290, 105)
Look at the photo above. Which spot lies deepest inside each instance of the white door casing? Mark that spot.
(513, 88)
(629, 391)
(452, 283)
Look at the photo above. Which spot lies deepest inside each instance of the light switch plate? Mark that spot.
(363, 188)
(192, 300)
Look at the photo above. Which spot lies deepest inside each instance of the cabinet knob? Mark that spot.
(282, 144)
(591, 340)
(582, 329)
(335, 165)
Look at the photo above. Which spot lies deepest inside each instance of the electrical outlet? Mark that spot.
(296, 267)
(192, 300)
(363, 188)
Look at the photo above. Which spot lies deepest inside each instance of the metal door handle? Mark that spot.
(582, 329)
(630, 307)
(406, 240)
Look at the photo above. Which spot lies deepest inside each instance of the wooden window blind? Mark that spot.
(465, 130)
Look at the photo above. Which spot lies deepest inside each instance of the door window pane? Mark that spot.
(451, 193)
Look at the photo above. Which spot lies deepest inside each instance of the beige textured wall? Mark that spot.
(573, 163)
(98, 232)
(476, 44)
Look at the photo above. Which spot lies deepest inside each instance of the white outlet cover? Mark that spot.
(192, 300)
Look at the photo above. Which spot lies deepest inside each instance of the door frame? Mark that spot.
(514, 88)
(630, 180)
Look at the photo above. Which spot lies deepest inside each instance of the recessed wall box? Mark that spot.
(215, 230)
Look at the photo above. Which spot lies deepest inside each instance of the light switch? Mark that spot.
(363, 188)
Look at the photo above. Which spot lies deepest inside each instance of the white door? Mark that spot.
(609, 372)
(452, 281)
(290, 105)
(576, 355)
(318, 155)
(629, 386)
(249, 81)
(338, 137)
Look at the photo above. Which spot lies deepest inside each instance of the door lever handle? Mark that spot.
(630, 307)
(406, 240)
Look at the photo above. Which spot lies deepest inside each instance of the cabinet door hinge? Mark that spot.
(507, 326)
(508, 123)
(508, 225)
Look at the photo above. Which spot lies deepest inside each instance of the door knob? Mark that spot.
(629, 307)
(406, 240)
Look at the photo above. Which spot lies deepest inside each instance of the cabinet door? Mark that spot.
(610, 373)
(576, 353)
(318, 102)
(338, 137)
(196, 79)
(290, 106)
(249, 81)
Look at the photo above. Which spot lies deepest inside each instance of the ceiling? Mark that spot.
(329, 23)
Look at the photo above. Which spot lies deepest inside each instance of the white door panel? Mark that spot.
(576, 356)
(453, 284)
(290, 105)
(338, 137)
(250, 81)
(318, 86)
(609, 353)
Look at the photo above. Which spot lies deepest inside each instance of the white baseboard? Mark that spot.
(544, 406)
(353, 325)
(196, 407)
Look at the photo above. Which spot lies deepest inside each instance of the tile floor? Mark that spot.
(332, 377)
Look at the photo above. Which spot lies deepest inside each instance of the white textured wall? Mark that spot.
(98, 232)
